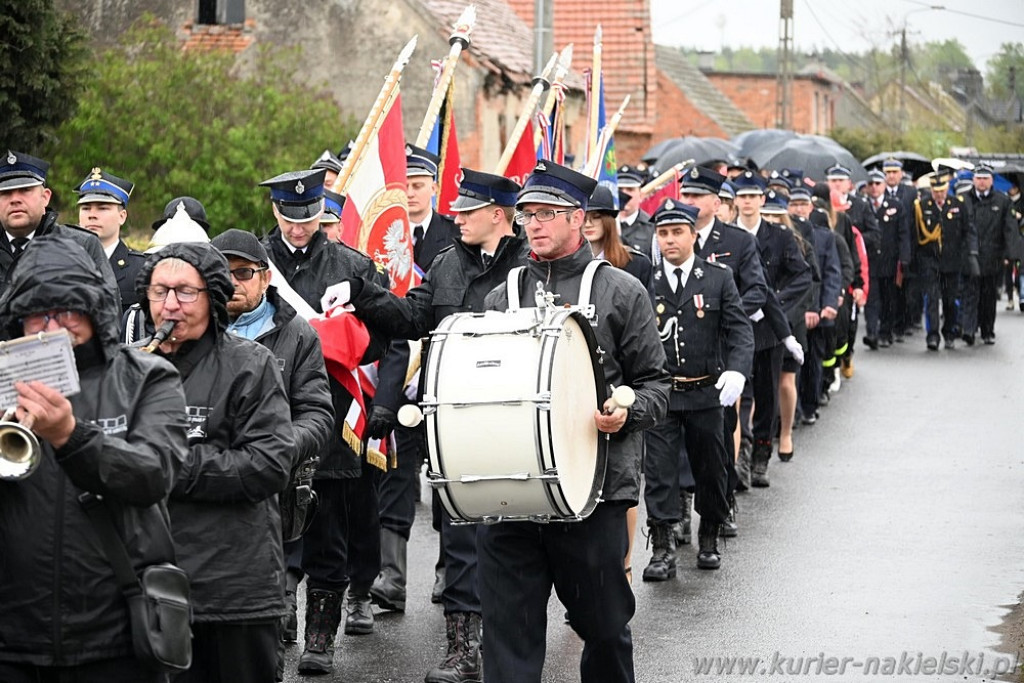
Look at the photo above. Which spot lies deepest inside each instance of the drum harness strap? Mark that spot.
(545, 299)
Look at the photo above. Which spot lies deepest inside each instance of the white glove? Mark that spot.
(731, 383)
(758, 315)
(794, 348)
(336, 295)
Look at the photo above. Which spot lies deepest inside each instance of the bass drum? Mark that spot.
(509, 401)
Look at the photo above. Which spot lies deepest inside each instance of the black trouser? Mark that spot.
(889, 295)
(519, 564)
(343, 541)
(233, 652)
(702, 432)
(398, 486)
(970, 298)
(809, 382)
(873, 309)
(458, 543)
(761, 396)
(944, 288)
(988, 298)
(119, 670)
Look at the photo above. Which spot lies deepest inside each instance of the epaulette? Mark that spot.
(717, 264)
(633, 250)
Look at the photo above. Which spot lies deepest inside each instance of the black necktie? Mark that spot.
(417, 242)
(679, 279)
(18, 245)
(488, 260)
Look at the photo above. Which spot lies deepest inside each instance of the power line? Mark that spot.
(997, 20)
(853, 62)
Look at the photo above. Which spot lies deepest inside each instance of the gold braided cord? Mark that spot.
(924, 235)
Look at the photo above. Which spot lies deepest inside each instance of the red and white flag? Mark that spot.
(375, 218)
(524, 159)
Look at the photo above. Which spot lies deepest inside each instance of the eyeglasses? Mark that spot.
(39, 321)
(542, 216)
(245, 274)
(184, 293)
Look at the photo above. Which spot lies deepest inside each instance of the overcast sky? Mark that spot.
(981, 27)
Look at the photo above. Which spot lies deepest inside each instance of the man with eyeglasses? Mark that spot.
(257, 312)
(25, 215)
(122, 437)
(881, 313)
(520, 562)
(241, 445)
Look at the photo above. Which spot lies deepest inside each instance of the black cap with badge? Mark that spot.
(479, 189)
(552, 183)
(19, 170)
(104, 188)
(420, 162)
(700, 180)
(298, 195)
(327, 161)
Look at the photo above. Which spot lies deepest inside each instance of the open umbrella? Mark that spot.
(690, 147)
(753, 142)
(914, 164)
(652, 155)
(813, 156)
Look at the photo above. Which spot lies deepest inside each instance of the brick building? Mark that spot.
(814, 99)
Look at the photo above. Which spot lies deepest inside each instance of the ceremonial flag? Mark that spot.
(603, 168)
(552, 138)
(375, 218)
(524, 158)
(445, 144)
(669, 190)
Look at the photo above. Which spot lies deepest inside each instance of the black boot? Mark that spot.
(729, 528)
(681, 529)
(463, 663)
(290, 622)
(437, 592)
(359, 620)
(708, 556)
(323, 614)
(743, 466)
(388, 590)
(759, 464)
(663, 559)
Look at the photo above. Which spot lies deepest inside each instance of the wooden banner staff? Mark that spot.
(385, 99)
(595, 97)
(561, 71)
(459, 41)
(594, 169)
(663, 178)
(539, 84)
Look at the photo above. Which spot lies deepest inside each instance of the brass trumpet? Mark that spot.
(160, 336)
(19, 448)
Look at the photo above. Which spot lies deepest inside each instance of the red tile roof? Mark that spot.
(627, 50)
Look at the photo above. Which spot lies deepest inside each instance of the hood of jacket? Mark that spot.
(213, 268)
(55, 272)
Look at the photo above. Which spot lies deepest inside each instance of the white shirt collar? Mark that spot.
(11, 238)
(630, 219)
(425, 223)
(753, 230)
(686, 265)
(109, 251)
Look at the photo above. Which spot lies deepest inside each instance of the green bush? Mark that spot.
(204, 124)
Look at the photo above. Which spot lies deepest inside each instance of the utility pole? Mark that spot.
(784, 70)
(543, 35)
(904, 58)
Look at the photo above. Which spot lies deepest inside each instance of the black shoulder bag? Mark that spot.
(158, 600)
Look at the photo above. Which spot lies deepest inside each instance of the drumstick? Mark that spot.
(410, 415)
(622, 397)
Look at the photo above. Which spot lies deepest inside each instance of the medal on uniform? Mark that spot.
(698, 303)
(661, 308)
(120, 262)
(698, 273)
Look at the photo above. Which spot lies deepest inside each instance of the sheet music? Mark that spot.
(46, 357)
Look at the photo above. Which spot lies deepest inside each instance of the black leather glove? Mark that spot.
(973, 268)
(382, 421)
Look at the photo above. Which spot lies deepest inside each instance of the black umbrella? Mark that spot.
(812, 155)
(913, 163)
(700, 150)
(754, 142)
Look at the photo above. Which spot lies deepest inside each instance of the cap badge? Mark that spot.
(669, 205)
(408, 151)
(96, 173)
(325, 156)
(541, 167)
(695, 173)
(299, 187)
(11, 159)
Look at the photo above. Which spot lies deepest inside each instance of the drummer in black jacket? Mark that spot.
(520, 562)
(709, 345)
(458, 280)
(223, 508)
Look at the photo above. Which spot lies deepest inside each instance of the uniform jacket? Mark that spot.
(640, 267)
(324, 264)
(126, 264)
(639, 235)
(633, 354)
(996, 224)
(831, 270)
(224, 509)
(894, 222)
(863, 218)
(441, 234)
(85, 239)
(704, 331)
(62, 605)
(959, 234)
(737, 248)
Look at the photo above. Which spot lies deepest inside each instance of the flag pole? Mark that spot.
(663, 178)
(561, 71)
(385, 99)
(595, 95)
(459, 41)
(594, 169)
(539, 84)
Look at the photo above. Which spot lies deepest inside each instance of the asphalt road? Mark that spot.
(897, 531)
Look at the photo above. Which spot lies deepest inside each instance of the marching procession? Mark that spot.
(254, 410)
